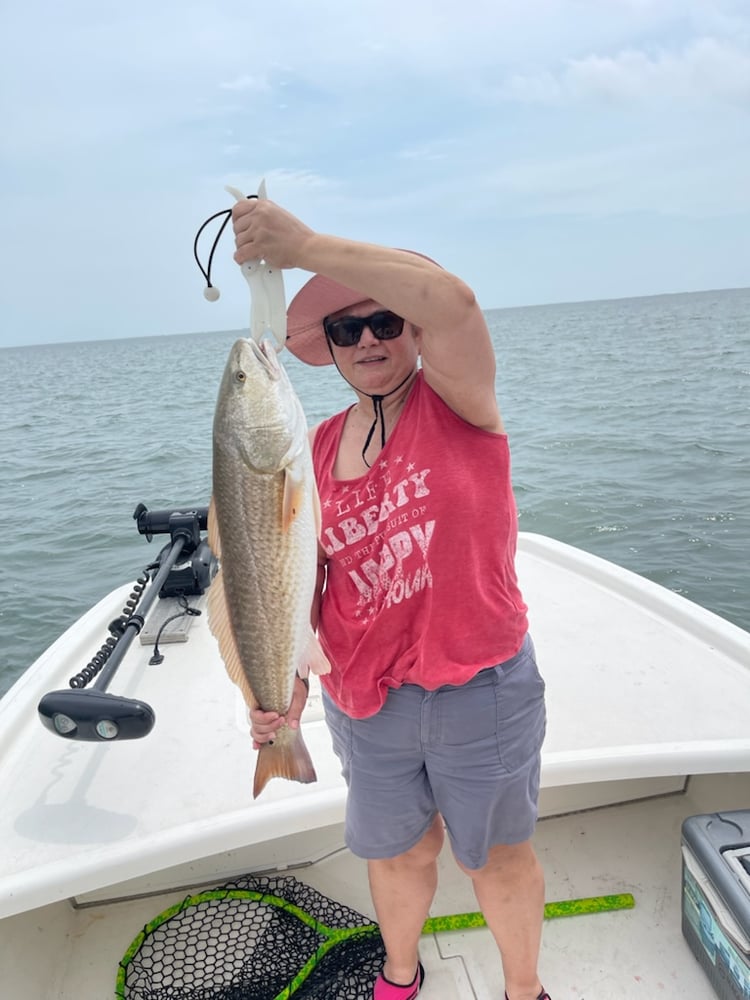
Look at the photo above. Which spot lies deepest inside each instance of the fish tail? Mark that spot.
(285, 759)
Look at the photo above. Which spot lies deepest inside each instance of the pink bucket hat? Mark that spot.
(318, 298)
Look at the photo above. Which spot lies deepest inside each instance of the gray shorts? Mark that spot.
(471, 753)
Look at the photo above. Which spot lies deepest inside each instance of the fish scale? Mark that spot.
(254, 585)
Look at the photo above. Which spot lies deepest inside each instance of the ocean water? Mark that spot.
(629, 423)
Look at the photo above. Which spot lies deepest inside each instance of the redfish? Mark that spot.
(263, 526)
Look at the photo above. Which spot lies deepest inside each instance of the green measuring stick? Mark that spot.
(563, 908)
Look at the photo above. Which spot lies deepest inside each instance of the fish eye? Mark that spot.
(240, 376)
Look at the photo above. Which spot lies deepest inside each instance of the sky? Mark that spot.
(545, 150)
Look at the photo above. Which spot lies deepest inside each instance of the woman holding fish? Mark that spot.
(434, 700)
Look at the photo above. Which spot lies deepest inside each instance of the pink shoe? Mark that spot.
(386, 990)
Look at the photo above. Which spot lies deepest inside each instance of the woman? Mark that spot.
(434, 700)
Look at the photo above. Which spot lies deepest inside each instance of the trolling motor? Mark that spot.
(189, 578)
(184, 567)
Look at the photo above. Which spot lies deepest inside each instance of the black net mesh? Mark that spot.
(256, 938)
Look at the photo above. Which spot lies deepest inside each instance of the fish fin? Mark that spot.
(294, 493)
(288, 759)
(214, 539)
(314, 658)
(221, 627)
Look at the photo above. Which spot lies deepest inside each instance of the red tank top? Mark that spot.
(421, 585)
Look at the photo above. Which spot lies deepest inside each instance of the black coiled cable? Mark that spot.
(117, 629)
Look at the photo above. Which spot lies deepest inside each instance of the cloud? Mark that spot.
(706, 69)
(413, 124)
(257, 84)
(660, 176)
(440, 149)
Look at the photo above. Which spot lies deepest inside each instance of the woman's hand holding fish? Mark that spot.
(264, 725)
(263, 229)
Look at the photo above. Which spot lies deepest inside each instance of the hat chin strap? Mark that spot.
(377, 402)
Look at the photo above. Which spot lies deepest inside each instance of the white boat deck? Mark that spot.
(641, 684)
(636, 954)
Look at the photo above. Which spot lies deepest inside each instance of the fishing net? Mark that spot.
(256, 938)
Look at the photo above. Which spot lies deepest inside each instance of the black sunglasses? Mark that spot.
(345, 332)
